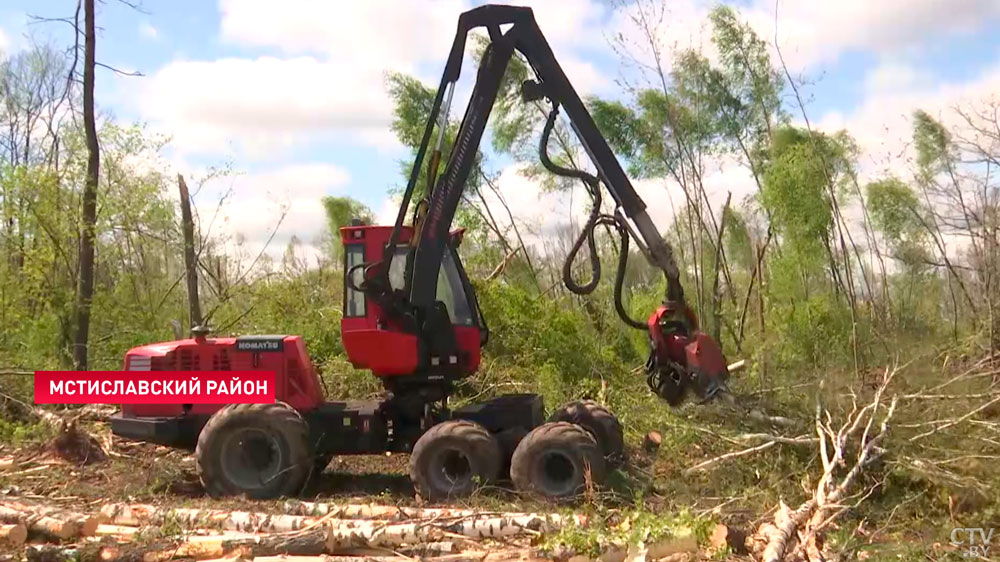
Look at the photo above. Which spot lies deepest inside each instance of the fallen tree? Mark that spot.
(797, 534)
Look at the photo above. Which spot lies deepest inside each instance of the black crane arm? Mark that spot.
(513, 29)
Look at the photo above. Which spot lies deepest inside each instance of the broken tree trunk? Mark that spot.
(190, 258)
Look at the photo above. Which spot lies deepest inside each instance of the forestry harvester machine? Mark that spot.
(410, 316)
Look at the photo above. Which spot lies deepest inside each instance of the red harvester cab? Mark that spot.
(373, 341)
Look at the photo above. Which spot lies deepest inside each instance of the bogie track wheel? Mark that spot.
(261, 450)
(452, 459)
(557, 460)
(601, 423)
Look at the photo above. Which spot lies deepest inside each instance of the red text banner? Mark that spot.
(154, 387)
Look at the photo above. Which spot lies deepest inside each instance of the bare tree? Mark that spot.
(85, 287)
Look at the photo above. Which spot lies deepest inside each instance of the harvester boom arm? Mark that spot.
(522, 35)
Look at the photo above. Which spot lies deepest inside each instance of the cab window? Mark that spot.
(354, 301)
(450, 290)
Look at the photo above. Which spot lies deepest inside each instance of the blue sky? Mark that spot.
(291, 93)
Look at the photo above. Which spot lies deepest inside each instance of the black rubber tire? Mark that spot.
(223, 455)
(556, 461)
(601, 423)
(452, 459)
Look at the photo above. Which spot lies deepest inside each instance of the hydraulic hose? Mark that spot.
(587, 234)
(595, 219)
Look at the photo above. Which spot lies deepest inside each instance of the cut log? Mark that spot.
(104, 530)
(351, 533)
(652, 441)
(13, 534)
(127, 514)
(403, 513)
(218, 546)
(372, 511)
(40, 524)
(724, 536)
(139, 514)
(87, 524)
(7, 464)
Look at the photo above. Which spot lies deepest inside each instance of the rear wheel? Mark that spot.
(557, 460)
(261, 450)
(601, 423)
(452, 458)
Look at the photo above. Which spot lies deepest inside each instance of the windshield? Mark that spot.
(449, 285)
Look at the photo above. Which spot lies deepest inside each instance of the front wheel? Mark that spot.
(557, 461)
(261, 450)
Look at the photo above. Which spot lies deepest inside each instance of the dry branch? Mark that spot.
(735, 454)
(797, 533)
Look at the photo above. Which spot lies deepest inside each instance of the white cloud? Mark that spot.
(4, 42)
(290, 195)
(813, 33)
(259, 105)
(545, 216)
(147, 30)
(384, 32)
(330, 76)
(893, 75)
(817, 32)
(882, 122)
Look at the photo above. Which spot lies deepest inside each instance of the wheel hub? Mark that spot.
(557, 471)
(251, 458)
(455, 466)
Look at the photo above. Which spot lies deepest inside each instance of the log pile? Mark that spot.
(299, 532)
(48, 522)
(306, 532)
